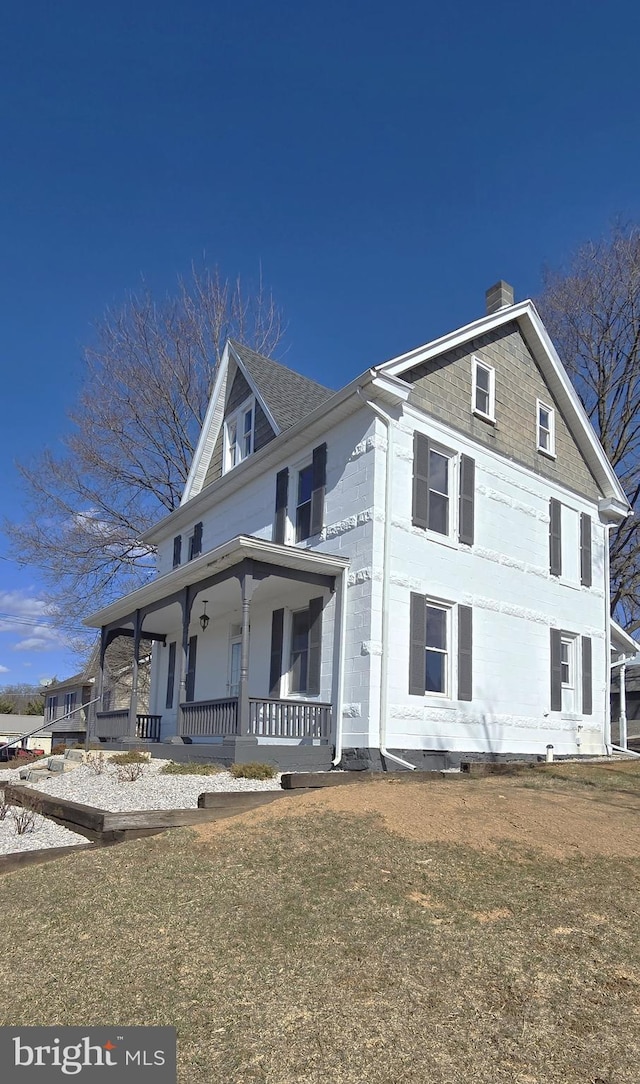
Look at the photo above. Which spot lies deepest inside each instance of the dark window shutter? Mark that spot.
(555, 537)
(315, 645)
(275, 672)
(171, 675)
(196, 542)
(417, 634)
(587, 683)
(420, 516)
(190, 685)
(467, 498)
(556, 671)
(465, 653)
(177, 550)
(282, 494)
(585, 550)
(319, 488)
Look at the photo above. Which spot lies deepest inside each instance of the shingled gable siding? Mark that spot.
(442, 387)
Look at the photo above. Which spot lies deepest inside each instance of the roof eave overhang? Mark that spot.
(621, 642)
(219, 560)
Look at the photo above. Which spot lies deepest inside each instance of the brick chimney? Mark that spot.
(499, 297)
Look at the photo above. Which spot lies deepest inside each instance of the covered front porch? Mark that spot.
(246, 651)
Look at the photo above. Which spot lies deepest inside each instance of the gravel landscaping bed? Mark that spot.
(45, 833)
(152, 790)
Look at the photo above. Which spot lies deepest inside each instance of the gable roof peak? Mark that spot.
(288, 395)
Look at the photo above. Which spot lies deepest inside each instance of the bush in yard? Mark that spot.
(252, 771)
(132, 756)
(97, 762)
(24, 820)
(130, 765)
(191, 767)
(58, 750)
(5, 806)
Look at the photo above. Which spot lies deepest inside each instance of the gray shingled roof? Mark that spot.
(288, 395)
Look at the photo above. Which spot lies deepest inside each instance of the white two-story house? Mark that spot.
(411, 570)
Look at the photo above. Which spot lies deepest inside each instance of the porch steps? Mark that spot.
(55, 765)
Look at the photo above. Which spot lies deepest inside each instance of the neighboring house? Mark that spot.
(411, 570)
(70, 704)
(14, 727)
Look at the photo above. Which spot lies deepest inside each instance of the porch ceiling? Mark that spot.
(222, 558)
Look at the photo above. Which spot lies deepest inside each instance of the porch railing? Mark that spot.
(115, 724)
(209, 718)
(270, 718)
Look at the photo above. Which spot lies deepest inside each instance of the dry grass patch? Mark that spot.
(316, 945)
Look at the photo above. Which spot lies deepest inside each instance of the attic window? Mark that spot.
(546, 429)
(484, 390)
(239, 434)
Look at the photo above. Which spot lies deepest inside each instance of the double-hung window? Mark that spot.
(443, 490)
(239, 434)
(438, 518)
(69, 702)
(303, 503)
(546, 427)
(441, 649)
(484, 390)
(299, 662)
(437, 649)
(52, 707)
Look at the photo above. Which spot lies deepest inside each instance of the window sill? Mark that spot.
(485, 418)
(442, 539)
(546, 454)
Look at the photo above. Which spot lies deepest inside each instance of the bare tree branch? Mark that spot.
(135, 425)
(592, 311)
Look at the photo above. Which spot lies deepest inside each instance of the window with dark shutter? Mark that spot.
(585, 550)
(177, 550)
(465, 653)
(315, 646)
(171, 675)
(319, 482)
(275, 670)
(195, 542)
(555, 537)
(556, 670)
(587, 682)
(282, 494)
(467, 499)
(190, 686)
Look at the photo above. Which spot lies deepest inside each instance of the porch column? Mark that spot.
(133, 703)
(623, 706)
(247, 584)
(186, 602)
(90, 712)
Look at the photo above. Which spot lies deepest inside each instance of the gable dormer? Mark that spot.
(254, 399)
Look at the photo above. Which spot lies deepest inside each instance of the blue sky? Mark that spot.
(383, 164)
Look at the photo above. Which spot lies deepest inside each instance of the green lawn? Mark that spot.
(324, 949)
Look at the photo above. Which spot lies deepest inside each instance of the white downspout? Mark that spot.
(607, 640)
(340, 690)
(386, 581)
